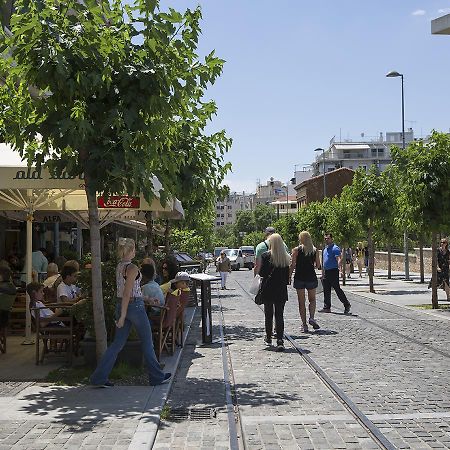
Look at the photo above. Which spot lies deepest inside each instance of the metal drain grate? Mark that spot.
(181, 414)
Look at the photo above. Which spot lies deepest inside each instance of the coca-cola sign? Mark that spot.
(122, 201)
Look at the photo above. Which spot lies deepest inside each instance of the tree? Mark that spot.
(253, 238)
(314, 219)
(264, 216)
(225, 237)
(425, 171)
(245, 222)
(111, 99)
(344, 223)
(6, 8)
(370, 194)
(287, 227)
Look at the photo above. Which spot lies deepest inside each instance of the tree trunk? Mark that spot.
(371, 256)
(166, 237)
(389, 252)
(434, 287)
(422, 269)
(97, 294)
(6, 12)
(344, 266)
(149, 224)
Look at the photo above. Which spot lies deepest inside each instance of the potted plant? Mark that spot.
(131, 353)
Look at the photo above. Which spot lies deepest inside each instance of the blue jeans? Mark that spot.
(136, 316)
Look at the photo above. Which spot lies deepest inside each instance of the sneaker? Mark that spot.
(325, 310)
(347, 309)
(106, 384)
(305, 328)
(280, 346)
(268, 341)
(167, 378)
(313, 323)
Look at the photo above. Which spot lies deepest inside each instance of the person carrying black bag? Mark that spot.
(274, 271)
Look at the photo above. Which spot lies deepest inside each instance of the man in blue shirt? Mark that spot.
(331, 261)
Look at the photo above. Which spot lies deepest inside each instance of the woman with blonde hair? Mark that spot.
(274, 271)
(305, 259)
(130, 311)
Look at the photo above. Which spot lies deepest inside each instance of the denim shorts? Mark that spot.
(298, 284)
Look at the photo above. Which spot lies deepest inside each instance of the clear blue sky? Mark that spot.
(300, 72)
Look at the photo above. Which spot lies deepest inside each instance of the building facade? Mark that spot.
(311, 190)
(227, 209)
(353, 155)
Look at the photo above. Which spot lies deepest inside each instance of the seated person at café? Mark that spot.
(178, 285)
(52, 275)
(151, 290)
(36, 293)
(71, 263)
(8, 289)
(67, 291)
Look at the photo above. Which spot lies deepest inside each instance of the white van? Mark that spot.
(248, 253)
(235, 257)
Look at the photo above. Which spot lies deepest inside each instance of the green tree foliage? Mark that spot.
(187, 241)
(287, 226)
(225, 237)
(253, 238)
(115, 99)
(314, 219)
(370, 194)
(425, 172)
(264, 216)
(245, 222)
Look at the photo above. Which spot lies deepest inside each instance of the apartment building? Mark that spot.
(361, 153)
(227, 209)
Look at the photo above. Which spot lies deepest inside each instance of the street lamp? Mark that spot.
(323, 160)
(394, 74)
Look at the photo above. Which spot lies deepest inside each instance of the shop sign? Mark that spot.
(121, 202)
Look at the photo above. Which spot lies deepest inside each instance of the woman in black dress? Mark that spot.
(305, 259)
(275, 274)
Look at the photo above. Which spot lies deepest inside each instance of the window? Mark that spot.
(229, 206)
(217, 215)
(221, 223)
(218, 224)
(293, 206)
(222, 215)
(230, 215)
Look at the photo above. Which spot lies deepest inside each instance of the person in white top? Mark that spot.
(130, 312)
(67, 291)
(36, 293)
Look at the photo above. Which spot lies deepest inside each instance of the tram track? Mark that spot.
(372, 430)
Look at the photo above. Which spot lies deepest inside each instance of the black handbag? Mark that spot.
(258, 298)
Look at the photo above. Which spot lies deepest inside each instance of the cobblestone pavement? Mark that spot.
(391, 362)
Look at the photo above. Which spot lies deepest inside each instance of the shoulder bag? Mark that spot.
(258, 298)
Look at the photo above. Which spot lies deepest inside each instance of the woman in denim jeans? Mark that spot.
(130, 311)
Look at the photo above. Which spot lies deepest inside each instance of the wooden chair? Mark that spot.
(163, 326)
(56, 339)
(17, 317)
(6, 303)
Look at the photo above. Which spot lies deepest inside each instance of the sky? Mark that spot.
(299, 72)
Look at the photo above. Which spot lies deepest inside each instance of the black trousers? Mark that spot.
(331, 280)
(279, 319)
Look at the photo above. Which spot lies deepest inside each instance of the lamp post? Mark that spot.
(394, 74)
(324, 181)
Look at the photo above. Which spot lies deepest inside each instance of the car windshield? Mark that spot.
(231, 252)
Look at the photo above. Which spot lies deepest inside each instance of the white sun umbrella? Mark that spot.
(25, 190)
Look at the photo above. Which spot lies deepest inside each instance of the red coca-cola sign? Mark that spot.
(122, 201)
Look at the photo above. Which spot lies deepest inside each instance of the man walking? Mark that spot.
(331, 261)
(261, 248)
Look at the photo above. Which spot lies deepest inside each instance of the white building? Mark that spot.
(441, 25)
(227, 209)
(355, 154)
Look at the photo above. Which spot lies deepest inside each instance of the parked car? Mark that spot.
(248, 252)
(235, 257)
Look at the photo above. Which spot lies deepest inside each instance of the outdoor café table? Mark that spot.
(205, 283)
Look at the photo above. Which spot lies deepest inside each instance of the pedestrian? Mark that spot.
(169, 268)
(224, 268)
(443, 256)
(274, 271)
(305, 259)
(261, 248)
(130, 311)
(359, 254)
(331, 261)
(348, 260)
